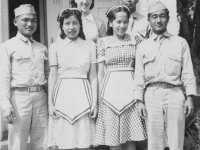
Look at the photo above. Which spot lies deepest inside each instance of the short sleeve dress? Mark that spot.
(72, 94)
(118, 120)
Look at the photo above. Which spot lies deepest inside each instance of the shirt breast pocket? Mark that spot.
(149, 66)
(21, 62)
(173, 65)
(40, 62)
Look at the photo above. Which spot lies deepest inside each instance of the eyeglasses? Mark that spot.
(67, 11)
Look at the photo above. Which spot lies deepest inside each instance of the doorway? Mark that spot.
(40, 9)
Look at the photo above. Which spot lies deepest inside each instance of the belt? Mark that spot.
(163, 85)
(119, 69)
(29, 89)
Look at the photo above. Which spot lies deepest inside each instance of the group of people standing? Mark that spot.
(105, 87)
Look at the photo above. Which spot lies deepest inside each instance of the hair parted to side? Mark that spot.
(66, 14)
(74, 5)
(111, 14)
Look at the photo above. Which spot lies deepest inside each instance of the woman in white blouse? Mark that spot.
(93, 27)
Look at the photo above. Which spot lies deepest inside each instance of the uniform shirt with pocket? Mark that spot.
(168, 61)
(138, 26)
(21, 66)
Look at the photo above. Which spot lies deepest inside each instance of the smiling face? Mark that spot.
(131, 4)
(71, 27)
(158, 21)
(120, 24)
(84, 5)
(26, 24)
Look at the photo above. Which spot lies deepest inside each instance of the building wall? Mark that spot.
(142, 6)
(53, 9)
(4, 32)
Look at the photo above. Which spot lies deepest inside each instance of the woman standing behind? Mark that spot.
(72, 98)
(118, 124)
(93, 27)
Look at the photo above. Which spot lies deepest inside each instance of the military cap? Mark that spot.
(156, 6)
(24, 9)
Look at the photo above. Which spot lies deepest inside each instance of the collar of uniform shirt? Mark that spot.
(23, 38)
(134, 15)
(89, 18)
(154, 36)
(67, 41)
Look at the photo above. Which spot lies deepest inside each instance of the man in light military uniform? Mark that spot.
(138, 24)
(163, 67)
(23, 75)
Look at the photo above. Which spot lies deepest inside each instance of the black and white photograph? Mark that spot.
(100, 74)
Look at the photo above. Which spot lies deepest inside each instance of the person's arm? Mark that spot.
(53, 75)
(101, 69)
(188, 78)
(101, 62)
(92, 75)
(5, 80)
(93, 82)
(139, 78)
(51, 84)
(139, 83)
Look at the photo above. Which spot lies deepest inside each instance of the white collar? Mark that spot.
(89, 17)
(23, 38)
(67, 41)
(166, 34)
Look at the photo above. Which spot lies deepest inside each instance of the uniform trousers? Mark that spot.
(165, 117)
(31, 120)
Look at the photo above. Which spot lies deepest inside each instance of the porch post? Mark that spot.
(4, 23)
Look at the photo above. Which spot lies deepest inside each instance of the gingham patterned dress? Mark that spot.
(117, 127)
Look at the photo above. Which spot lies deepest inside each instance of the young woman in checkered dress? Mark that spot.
(118, 124)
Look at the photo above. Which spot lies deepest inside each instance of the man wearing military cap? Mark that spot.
(163, 69)
(23, 76)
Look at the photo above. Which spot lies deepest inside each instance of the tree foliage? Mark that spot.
(189, 11)
(190, 22)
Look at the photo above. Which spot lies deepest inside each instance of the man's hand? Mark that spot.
(9, 115)
(189, 106)
(141, 109)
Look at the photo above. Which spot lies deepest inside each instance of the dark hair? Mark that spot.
(74, 5)
(166, 10)
(111, 16)
(66, 14)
